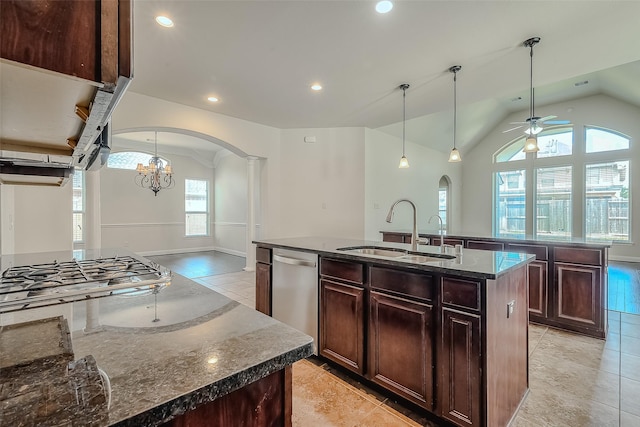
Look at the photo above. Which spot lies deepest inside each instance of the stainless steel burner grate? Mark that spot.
(39, 285)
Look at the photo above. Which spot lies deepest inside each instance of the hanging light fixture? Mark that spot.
(156, 176)
(404, 163)
(531, 143)
(454, 156)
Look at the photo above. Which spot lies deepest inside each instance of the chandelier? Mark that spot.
(156, 176)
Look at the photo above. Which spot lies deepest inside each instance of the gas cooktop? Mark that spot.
(38, 285)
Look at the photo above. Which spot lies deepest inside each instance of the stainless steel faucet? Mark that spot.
(441, 230)
(414, 233)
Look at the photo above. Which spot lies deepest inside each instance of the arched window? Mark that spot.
(444, 203)
(129, 160)
(545, 208)
(553, 142)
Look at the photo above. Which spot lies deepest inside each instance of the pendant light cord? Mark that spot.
(404, 109)
(531, 81)
(455, 106)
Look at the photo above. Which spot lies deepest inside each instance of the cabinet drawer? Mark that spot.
(577, 255)
(485, 245)
(345, 270)
(263, 255)
(394, 237)
(541, 252)
(461, 293)
(435, 241)
(402, 282)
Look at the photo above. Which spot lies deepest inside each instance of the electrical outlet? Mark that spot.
(510, 307)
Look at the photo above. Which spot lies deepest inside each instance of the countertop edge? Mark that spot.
(390, 262)
(594, 244)
(168, 410)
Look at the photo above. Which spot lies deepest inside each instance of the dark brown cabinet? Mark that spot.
(552, 301)
(401, 346)
(263, 280)
(460, 368)
(538, 273)
(402, 333)
(342, 324)
(578, 292)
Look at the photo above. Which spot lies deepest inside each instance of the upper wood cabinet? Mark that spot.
(64, 66)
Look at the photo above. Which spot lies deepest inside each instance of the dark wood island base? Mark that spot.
(263, 403)
(567, 280)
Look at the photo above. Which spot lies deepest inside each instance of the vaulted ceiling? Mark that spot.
(261, 57)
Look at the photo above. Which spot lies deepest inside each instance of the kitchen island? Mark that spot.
(185, 355)
(567, 281)
(445, 332)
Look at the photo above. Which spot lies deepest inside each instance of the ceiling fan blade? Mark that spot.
(519, 123)
(544, 119)
(509, 130)
(558, 122)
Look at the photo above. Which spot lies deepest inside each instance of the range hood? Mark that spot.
(59, 85)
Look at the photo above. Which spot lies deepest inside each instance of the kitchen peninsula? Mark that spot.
(445, 332)
(567, 281)
(185, 355)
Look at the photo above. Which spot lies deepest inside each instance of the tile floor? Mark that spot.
(574, 380)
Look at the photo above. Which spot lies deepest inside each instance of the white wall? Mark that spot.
(322, 183)
(386, 183)
(41, 217)
(230, 205)
(598, 110)
(133, 217)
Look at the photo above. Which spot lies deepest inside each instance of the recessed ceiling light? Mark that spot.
(316, 87)
(164, 21)
(384, 6)
(212, 99)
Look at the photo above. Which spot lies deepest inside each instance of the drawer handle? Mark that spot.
(294, 261)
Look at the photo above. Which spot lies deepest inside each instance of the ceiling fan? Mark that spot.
(534, 124)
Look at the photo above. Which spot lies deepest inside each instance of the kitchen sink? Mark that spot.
(377, 251)
(424, 258)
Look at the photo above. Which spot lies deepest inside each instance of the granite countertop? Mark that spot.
(470, 263)
(203, 346)
(574, 241)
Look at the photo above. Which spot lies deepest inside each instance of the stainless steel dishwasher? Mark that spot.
(295, 291)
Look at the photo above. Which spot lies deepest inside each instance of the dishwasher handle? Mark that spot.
(294, 261)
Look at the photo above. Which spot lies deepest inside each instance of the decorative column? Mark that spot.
(93, 239)
(251, 214)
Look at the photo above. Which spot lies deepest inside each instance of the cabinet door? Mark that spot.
(342, 325)
(401, 347)
(578, 294)
(459, 366)
(263, 288)
(537, 289)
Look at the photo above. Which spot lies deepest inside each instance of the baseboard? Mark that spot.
(179, 251)
(624, 258)
(231, 252)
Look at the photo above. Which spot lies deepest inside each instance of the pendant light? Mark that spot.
(455, 154)
(404, 163)
(531, 144)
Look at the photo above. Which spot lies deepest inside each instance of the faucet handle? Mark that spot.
(423, 240)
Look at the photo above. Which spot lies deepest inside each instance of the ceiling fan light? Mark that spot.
(531, 145)
(404, 163)
(454, 156)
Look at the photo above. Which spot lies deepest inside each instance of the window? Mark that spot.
(443, 200)
(196, 206)
(599, 140)
(129, 160)
(553, 203)
(553, 142)
(607, 201)
(546, 207)
(78, 207)
(510, 203)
